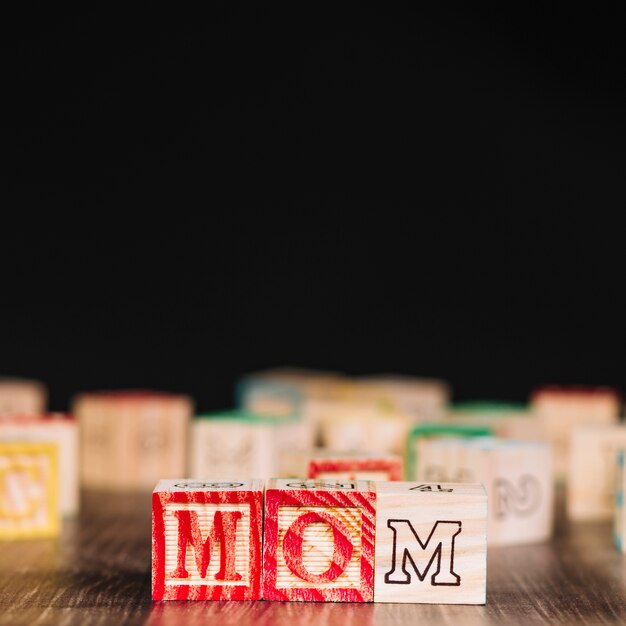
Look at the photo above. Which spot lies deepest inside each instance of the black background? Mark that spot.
(191, 196)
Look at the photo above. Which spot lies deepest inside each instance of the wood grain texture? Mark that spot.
(98, 572)
(206, 540)
(319, 540)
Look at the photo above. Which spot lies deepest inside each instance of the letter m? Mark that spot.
(223, 531)
(408, 549)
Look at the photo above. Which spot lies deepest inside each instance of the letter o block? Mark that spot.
(206, 540)
(431, 543)
(319, 540)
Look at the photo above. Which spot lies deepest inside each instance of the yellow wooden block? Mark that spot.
(29, 500)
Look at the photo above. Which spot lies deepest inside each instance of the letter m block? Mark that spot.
(206, 540)
(431, 543)
(319, 540)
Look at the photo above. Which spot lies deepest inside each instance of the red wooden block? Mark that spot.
(206, 540)
(319, 540)
(355, 466)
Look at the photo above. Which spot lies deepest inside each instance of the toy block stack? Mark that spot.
(60, 431)
(131, 438)
(560, 409)
(590, 487)
(29, 501)
(207, 539)
(243, 444)
(516, 474)
(20, 396)
(322, 540)
(431, 543)
(319, 540)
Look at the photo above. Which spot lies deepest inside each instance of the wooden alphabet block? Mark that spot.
(511, 421)
(131, 438)
(422, 433)
(237, 443)
(29, 506)
(61, 430)
(349, 424)
(559, 409)
(319, 540)
(21, 397)
(619, 518)
(516, 474)
(422, 398)
(206, 540)
(283, 391)
(590, 488)
(326, 464)
(431, 543)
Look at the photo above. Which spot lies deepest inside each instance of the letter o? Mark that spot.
(342, 552)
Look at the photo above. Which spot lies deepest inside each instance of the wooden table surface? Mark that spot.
(98, 572)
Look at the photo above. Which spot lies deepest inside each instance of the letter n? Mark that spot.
(223, 531)
(408, 549)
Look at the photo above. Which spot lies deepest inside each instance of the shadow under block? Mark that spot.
(319, 540)
(326, 464)
(516, 474)
(207, 540)
(560, 409)
(236, 443)
(590, 487)
(29, 506)
(431, 543)
(19, 397)
(129, 439)
(61, 430)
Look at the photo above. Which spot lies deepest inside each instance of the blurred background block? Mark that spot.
(517, 476)
(62, 431)
(29, 502)
(131, 439)
(328, 464)
(590, 487)
(561, 408)
(20, 396)
(232, 444)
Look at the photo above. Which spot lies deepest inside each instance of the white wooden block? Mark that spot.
(431, 543)
(591, 476)
(22, 397)
(359, 425)
(517, 476)
(422, 398)
(559, 409)
(236, 443)
(130, 439)
(61, 430)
